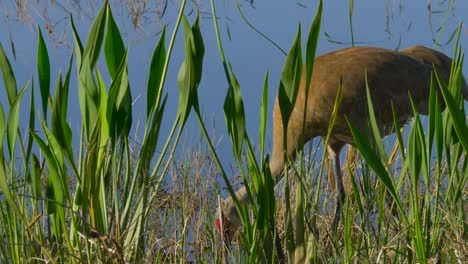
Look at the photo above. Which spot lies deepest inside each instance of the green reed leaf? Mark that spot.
(155, 74)
(9, 80)
(191, 70)
(36, 183)
(290, 79)
(311, 45)
(234, 115)
(13, 122)
(457, 115)
(92, 49)
(114, 48)
(43, 69)
(78, 45)
(375, 163)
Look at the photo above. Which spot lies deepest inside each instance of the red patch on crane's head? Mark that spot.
(224, 227)
(218, 224)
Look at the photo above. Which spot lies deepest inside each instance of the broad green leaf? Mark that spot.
(336, 107)
(32, 120)
(284, 105)
(114, 90)
(114, 49)
(374, 162)
(191, 70)
(13, 121)
(252, 167)
(9, 79)
(457, 115)
(373, 122)
(78, 45)
(234, 115)
(269, 186)
(396, 124)
(90, 180)
(103, 121)
(54, 191)
(124, 105)
(450, 136)
(414, 153)
(292, 69)
(95, 37)
(88, 94)
(290, 79)
(93, 179)
(416, 157)
(153, 135)
(311, 45)
(88, 91)
(266, 199)
(419, 158)
(36, 183)
(43, 69)
(65, 89)
(155, 75)
(198, 50)
(432, 115)
(60, 127)
(184, 82)
(116, 59)
(57, 153)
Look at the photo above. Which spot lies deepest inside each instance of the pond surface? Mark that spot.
(392, 24)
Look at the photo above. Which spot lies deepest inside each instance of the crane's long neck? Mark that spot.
(276, 168)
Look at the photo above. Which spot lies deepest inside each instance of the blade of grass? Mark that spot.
(13, 122)
(373, 161)
(43, 69)
(9, 80)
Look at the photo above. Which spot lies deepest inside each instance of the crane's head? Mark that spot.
(227, 219)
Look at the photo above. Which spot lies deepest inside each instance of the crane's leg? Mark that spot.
(334, 154)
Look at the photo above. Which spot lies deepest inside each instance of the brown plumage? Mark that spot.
(391, 77)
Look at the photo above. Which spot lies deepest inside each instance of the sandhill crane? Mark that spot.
(391, 76)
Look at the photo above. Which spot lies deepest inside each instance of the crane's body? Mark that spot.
(391, 76)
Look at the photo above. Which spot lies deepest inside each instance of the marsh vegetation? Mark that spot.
(111, 200)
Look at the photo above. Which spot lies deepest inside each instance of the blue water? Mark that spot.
(390, 24)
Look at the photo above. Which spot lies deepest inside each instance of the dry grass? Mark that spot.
(179, 226)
